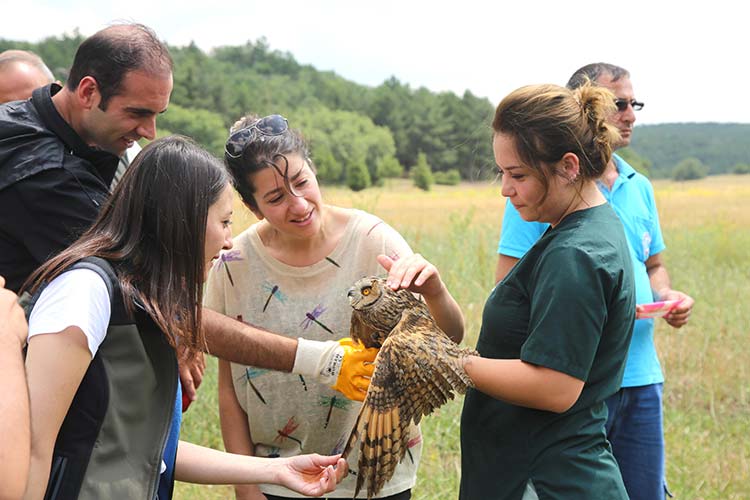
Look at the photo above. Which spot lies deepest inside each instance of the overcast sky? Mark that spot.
(688, 63)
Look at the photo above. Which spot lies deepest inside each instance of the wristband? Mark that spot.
(320, 360)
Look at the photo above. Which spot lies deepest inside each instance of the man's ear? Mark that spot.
(87, 92)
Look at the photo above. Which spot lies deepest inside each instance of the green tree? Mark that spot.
(345, 122)
(449, 177)
(689, 169)
(639, 163)
(349, 137)
(329, 170)
(421, 173)
(357, 176)
(203, 126)
(741, 169)
(390, 167)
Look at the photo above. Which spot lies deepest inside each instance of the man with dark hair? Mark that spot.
(634, 424)
(59, 150)
(58, 154)
(21, 72)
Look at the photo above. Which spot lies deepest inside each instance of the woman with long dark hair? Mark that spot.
(108, 313)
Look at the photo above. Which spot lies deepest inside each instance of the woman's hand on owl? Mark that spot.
(414, 273)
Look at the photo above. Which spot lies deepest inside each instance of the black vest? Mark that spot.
(112, 439)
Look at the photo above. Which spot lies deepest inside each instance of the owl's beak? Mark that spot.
(352, 294)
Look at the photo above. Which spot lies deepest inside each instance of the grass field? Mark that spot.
(706, 226)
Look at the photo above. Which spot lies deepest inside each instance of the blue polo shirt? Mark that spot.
(632, 198)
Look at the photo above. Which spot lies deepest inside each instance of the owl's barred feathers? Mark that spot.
(418, 369)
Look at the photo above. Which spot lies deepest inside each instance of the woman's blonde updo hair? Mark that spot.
(547, 121)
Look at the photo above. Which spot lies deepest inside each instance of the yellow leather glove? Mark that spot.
(357, 366)
(345, 365)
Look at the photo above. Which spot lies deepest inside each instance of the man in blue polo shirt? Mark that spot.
(634, 425)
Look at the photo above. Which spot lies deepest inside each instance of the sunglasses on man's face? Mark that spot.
(622, 104)
(269, 125)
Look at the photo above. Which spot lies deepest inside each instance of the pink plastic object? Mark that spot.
(655, 309)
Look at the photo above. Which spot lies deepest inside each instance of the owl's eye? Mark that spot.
(366, 290)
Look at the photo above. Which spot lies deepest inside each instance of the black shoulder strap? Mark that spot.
(100, 266)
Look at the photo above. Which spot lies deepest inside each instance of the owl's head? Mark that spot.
(366, 292)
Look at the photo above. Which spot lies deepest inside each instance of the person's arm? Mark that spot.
(66, 355)
(662, 288)
(524, 384)
(309, 475)
(235, 431)
(345, 367)
(504, 264)
(415, 273)
(238, 342)
(14, 403)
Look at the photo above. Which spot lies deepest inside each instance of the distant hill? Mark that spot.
(719, 146)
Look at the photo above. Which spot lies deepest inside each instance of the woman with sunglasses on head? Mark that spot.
(107, 314)
(289, 273)
(555, 331)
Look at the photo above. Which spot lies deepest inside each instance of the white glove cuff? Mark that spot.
(319, 360)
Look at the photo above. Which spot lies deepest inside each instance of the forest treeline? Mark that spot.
(720, 147)
(360, 134)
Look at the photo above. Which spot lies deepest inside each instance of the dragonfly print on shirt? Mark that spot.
(286, 432)
(411, 444)
(250, 373)
(229, 256)
(333, 402)
(333, 262)
(312, 317)
(274, 292)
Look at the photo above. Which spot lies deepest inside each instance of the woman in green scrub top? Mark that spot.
(555, 332)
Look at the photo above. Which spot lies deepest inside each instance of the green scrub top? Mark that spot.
(568, 305)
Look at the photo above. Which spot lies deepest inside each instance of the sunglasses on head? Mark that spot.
(622, 104)
(268, 125)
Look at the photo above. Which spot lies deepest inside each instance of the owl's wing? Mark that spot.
(417, 370)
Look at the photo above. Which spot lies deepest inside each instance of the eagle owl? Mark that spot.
(417, 369)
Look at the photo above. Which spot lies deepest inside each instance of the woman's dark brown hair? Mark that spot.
(264, 152)
(152, 230)
(547, 121)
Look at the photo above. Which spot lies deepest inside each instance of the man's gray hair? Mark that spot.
(12, 56)
(593, 71)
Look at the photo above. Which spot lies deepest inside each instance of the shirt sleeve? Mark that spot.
(75, 298)
(518, 235)
(395, 244)
(379, 238)
(568, 312)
